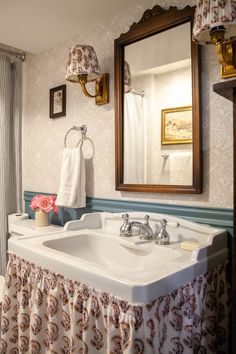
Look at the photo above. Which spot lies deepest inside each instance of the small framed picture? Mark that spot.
(57, 102)
(176, 127)
(227, 71)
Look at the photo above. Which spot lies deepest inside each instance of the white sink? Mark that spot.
(117, 255)
(90, 250)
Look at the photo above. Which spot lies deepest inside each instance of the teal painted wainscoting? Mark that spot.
(212, 216)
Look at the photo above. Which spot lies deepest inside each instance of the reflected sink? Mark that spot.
(90, 250)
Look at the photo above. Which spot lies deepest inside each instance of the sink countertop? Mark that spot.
(90, 250)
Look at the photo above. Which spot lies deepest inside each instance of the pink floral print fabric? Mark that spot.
(43, 312)
(82, 60)
(212, 13)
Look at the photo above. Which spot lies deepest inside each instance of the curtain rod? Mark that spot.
(19, 55)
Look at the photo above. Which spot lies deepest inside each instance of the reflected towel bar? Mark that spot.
(165, 156)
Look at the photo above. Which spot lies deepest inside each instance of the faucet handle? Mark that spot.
(162, 237)
(123, 228)
(125, 217)
(146, 218)
(163, 222)
(173, 224)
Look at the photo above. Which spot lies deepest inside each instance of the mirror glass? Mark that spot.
(158, 109)
(157, 103)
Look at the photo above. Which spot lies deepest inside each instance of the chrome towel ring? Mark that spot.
(82, 129)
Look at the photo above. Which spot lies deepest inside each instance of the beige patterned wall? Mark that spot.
(43, 137)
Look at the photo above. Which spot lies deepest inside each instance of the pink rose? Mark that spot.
(45, 203)
(34, 202)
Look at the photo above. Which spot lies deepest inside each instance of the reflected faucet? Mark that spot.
(145, 230)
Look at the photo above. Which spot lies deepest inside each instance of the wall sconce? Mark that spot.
(82, 67)
(215, 23)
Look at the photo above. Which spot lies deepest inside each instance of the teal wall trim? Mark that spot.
(213, 216)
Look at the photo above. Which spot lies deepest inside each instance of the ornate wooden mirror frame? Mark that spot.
(153, 22)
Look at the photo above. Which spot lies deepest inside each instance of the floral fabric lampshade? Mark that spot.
(211, 14)
(82, 60)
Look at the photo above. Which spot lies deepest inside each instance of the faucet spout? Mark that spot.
(145, 231)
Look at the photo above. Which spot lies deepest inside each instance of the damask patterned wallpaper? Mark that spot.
(43, 137)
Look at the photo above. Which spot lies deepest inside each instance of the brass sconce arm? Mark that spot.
(225, 53)
(101, 88)
(82, 79)
(224, 50)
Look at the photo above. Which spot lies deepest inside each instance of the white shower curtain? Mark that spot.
(134, 138)
(10, 146)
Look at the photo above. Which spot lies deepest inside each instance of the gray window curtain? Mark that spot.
(10, 146)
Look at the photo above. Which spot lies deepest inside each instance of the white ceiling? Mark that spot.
(36, 25)
(151, 58)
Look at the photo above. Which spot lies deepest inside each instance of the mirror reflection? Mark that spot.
(157, 118)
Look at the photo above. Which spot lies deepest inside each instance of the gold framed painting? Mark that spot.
(176, 125)
(227, 71)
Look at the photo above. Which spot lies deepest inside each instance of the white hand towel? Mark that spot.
(72, 184)
(181, 168)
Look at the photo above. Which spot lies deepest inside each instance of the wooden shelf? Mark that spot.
(225, 88)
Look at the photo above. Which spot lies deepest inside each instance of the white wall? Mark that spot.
(173, 89)
(162, 91)
(43, 137)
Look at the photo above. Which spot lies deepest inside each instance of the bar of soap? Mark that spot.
(189, 245)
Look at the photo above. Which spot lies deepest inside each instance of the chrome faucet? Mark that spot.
(125, 227)
(162, 237)
(145, 230)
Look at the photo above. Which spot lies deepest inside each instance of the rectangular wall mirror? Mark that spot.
(158, 135)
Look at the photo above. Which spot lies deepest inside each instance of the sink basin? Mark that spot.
(90, 250)
(106, 252)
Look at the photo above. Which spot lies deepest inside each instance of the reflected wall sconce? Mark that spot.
(127, 78)
(215, 23)
(83, 67)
